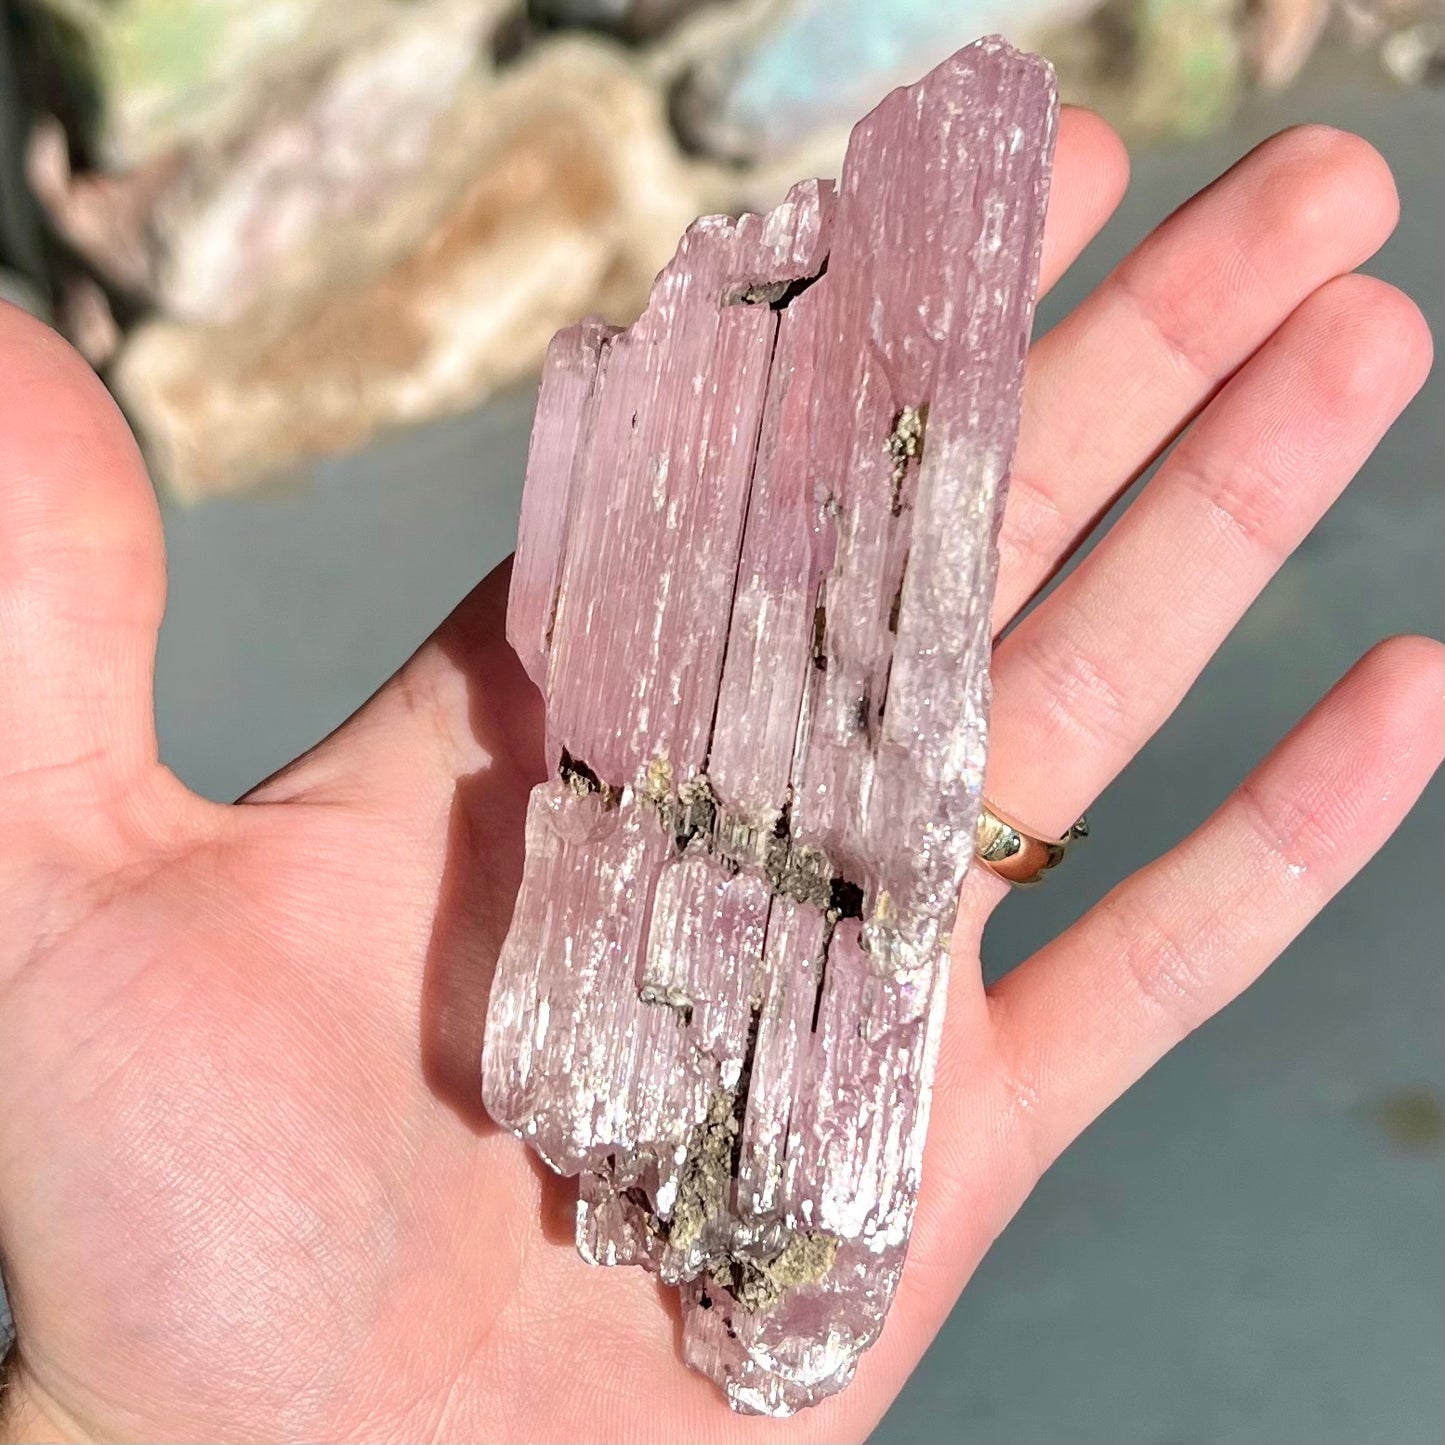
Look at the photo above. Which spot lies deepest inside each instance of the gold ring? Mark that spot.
(1016, 854)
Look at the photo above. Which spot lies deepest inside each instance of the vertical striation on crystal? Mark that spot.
(754, 581)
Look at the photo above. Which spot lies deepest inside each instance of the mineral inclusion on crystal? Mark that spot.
(754, 581)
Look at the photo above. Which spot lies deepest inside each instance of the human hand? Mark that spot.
(246, 1186)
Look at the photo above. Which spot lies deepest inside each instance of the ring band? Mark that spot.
(1015, 854)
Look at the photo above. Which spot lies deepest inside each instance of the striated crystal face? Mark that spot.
(754, 580)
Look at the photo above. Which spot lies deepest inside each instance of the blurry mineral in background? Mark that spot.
(377, 226)
(279, 225)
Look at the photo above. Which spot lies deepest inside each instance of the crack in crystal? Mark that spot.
(742, 841)
(776, 295)
(582, 780)
(820, 637)
(705, 1186)
(822, 982)
(747, 503)
(736, 837)
(895, 608)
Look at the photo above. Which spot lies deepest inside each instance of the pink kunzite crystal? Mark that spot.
(754, 581)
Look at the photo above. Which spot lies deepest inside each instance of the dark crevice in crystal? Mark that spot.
(742, 537)
(734, 839)
(895, 609)
(671, 998)
(694, 816)
(581, 779)
(783, 826)
(552, 614)
(778, 295)
(820, 634)
(822, 980)
(744, 1083)
(845, 898)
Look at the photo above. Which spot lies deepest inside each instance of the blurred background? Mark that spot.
(317, 247)
(281, 226)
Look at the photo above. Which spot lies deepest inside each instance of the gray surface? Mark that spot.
(1241, 1250)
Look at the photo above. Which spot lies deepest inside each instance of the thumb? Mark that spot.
(82, 582)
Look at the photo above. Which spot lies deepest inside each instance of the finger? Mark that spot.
(1112, 384)
(1091, 172)
(1090, 674)
(1087, 1015)
(441, 716)
(82, 577)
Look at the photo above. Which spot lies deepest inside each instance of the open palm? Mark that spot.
(247, 1189)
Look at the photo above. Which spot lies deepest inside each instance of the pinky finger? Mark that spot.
(1088, 1014)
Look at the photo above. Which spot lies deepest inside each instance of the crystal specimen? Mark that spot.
(754, 579)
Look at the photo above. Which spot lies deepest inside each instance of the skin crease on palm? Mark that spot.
(247, 1190)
